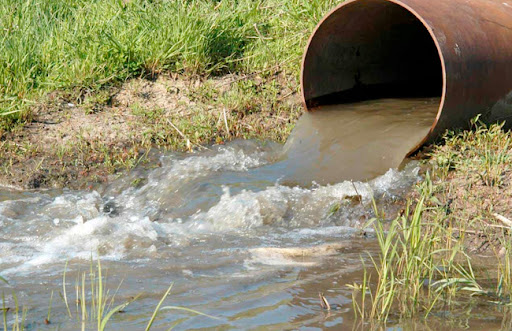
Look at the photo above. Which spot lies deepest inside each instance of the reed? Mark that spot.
(423, 266)
(95, 303)
(18, 322)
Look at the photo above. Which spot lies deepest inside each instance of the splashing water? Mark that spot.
(224, 224)
(357, 141)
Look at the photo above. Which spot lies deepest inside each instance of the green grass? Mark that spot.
(83, 52)
(422, 270)
(426, 262)
(95, 304)
(482, 154)
(84, 45)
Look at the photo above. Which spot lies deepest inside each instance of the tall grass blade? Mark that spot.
(188, 310)
(116, 309)
(155, 312)
(64, 292)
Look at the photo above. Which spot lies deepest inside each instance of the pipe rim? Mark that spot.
(432, 35)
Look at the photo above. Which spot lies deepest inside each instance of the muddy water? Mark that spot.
(356, 141)
(237, 243)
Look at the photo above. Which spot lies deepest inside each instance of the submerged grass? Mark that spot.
(84, 45)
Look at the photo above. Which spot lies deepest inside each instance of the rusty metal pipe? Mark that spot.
(458, 50)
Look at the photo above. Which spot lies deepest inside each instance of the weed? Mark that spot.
(482, 154)
(95, 304)
(423, 265)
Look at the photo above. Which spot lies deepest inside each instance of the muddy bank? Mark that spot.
(472, 187)
(79, 138)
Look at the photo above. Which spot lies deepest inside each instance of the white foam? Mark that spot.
(226, 159)
(42, 229)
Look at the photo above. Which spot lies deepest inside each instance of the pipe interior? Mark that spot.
(371, 49)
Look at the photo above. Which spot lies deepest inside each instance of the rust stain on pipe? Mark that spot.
(459, 50)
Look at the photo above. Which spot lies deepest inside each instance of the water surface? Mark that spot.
(357, 141)
(224, 225)
(204, 222)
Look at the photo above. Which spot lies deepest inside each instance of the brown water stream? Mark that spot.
(224, 226)
(357, 141)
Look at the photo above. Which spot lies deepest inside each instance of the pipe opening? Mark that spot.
(370, 49)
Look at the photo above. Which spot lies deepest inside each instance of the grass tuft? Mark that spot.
(94, 303)
(449, 252)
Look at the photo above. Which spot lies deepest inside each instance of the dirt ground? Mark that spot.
(80, 138)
